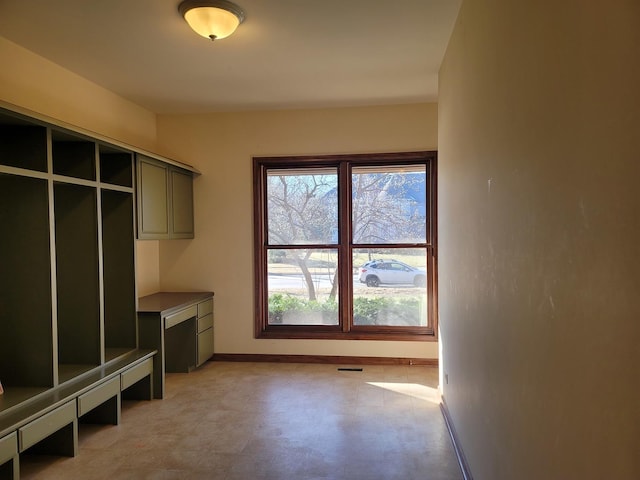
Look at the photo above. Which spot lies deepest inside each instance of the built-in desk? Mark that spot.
(179, 325)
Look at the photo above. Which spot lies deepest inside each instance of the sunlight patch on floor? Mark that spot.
(415, 390)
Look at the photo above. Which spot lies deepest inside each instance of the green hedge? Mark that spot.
(365, 310)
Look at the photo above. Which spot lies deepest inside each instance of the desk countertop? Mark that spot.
(166, 303)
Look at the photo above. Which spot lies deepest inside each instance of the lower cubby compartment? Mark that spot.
(10, 470)
(48, 424)
(181, 342)
(101, 404)
(137, 382)
(9, 463)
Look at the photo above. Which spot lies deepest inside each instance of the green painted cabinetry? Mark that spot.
(67, 287)
(179, 325)
(68, 322)
(165, 200)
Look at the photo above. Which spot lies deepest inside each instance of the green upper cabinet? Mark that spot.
(153, 199)
(181, 211)
(165, 200)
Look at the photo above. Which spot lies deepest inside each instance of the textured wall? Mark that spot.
(539, 224)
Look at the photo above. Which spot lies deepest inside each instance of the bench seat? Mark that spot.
(46, 421)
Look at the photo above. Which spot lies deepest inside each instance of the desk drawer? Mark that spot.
(205, 346)
(8, 447)
(205, 322)
(181, 316)
(205, 308)
(98, 395)
(47, 424)
(136, 373)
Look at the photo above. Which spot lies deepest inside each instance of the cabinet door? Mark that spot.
(153, 200)
(181, 204)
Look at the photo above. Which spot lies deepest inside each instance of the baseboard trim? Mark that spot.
(326, 359)
(462, 460)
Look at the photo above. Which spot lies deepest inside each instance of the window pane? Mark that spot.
(389, 204)
(302, 206)
(389, 287)
(302, 287)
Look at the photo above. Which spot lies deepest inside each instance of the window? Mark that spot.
(345, 246)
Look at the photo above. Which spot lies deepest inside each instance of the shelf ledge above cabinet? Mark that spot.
(33, 117)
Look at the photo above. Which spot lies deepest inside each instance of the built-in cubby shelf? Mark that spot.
(23, 146)
(69, 340)
(67, 289)
(26, 351)
(119, 274)
(78, 275)
(115, 167)
(74, 158)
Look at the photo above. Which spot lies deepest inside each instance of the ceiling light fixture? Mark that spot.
(213, 19)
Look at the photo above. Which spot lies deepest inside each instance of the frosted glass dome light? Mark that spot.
(214, 19)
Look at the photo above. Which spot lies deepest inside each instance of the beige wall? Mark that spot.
(539, 224)
(220, 257)
(33, 82)
(147, 267)
(221, 146)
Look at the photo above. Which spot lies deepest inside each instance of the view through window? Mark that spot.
(345, 246)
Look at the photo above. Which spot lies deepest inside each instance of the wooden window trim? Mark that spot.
(345, 330)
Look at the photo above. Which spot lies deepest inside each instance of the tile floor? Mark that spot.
(258, 421)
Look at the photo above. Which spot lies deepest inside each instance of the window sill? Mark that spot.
(288, 332)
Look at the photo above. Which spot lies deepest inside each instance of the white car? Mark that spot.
(391, 272)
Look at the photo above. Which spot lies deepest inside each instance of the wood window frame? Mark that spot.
(345, 330)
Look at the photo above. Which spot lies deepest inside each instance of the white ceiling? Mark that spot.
(287, 53)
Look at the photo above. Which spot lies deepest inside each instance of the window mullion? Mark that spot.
(345, 235)
(260, 239)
